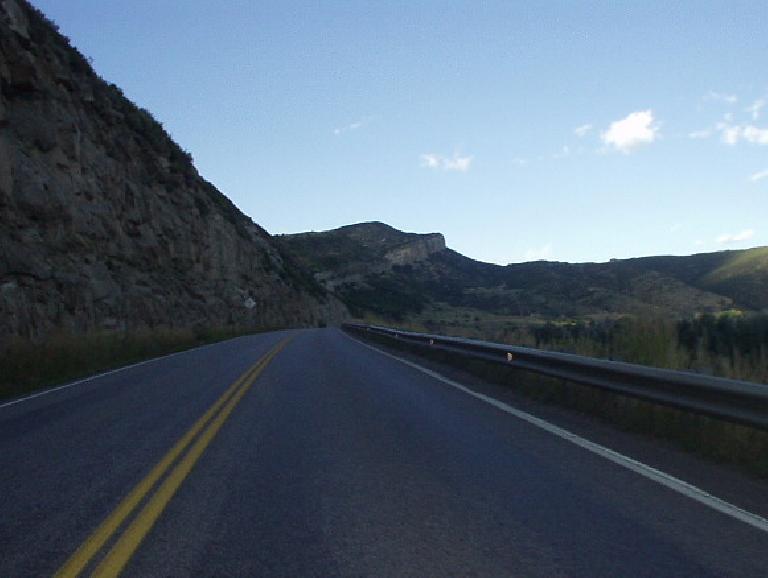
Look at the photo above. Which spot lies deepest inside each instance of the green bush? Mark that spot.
(731, 344)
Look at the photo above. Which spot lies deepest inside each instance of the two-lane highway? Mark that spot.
(324, 457)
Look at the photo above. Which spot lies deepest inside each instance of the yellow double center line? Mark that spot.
(122, 550)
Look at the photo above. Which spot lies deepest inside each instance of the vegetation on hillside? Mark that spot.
(706, 313)
(27, 365)
(350, 260)
(732, 344)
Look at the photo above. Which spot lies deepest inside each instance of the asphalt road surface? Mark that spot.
(327, 458)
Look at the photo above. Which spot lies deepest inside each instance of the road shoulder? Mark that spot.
(721, 480)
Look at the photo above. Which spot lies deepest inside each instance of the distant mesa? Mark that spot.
(344, 254)
(381, 271)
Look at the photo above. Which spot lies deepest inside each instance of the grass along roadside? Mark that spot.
(732, 344)
(27, 366)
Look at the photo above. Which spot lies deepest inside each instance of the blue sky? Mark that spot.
(572, 131)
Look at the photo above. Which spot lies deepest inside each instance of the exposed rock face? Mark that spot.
(417, 250)
(394, 275)
(350, 253)
(105, 223)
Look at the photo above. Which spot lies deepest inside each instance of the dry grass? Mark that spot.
(729, 345)
(26, 366)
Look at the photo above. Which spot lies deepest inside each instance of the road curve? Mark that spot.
(334, 460)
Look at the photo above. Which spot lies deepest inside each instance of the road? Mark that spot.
(329, 459)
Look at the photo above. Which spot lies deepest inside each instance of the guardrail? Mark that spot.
(731, 400)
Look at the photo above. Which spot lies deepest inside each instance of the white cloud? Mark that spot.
(721, 97)
(755, 108)
(581, 131)
(455, 163)
(700, 134)
(732, 134)
(635, 129)
(728, 238)
(755, 135)
(564, 152)
(676, 227)
(538, 253)
(352, 126)
(520, 162)
(759, 176)
(430, 160)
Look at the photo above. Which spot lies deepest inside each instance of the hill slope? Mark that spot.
(105, 221)
(354, 262)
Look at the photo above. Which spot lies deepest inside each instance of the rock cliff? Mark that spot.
(347, 254)
(399, 276)
(104, 221)
(417, 250)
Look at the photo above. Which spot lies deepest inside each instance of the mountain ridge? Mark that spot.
(668, 285)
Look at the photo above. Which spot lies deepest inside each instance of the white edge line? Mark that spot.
(647, 471)
(100, 375)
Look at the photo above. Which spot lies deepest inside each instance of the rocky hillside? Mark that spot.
(356, 262)
(350, 254)
(106, 224)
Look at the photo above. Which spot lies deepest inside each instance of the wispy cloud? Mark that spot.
(538, 253)
(731, 134)
(676, 228)
(729, 239)
(731, 131)
(721, 97)
(455, 163)
(430, 160)
(759, 176)
(358, 124)
(700, 134)
(562, 153)
(581, 131)
(520, 162)
(755, 108)
(636, 129)
(755, 135)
